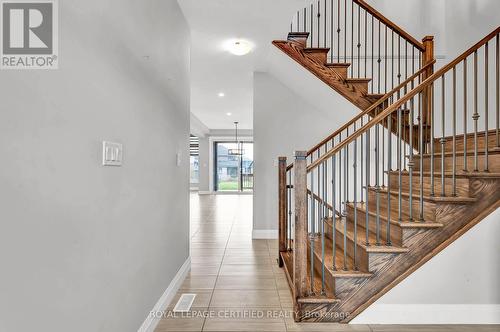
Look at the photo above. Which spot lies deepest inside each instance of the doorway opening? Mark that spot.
(233, 169)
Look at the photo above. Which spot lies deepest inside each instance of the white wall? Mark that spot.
(459, 285)
(204, 165)
(85, 247)
(284, 122)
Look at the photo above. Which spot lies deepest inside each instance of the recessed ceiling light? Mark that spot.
(221, 94)
(229, 113)
(239, 46)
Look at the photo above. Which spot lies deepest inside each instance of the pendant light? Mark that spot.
(238, 151)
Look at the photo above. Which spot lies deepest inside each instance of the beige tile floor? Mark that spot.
(238, 284)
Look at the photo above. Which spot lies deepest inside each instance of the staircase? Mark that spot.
(384, 193)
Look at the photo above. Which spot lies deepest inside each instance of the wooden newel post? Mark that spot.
(427, 56)
(282, 201)
(300, 240)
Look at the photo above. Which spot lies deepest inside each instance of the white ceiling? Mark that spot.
(214, 70)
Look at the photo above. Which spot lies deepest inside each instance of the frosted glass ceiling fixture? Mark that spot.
(238, 47)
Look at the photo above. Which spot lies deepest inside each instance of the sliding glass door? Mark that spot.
(233, 166)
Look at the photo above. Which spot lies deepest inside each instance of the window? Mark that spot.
(194, 160)
(233, 172)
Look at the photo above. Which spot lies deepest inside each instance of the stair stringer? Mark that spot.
(331, 77)
(390, 269)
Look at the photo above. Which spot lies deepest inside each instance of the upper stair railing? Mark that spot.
(329, 192)
(358, 34)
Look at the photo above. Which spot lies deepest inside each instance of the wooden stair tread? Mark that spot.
(404, 223)
(298, 34)
(437, 174)
(338, 64)
(491, 132)
(372, 240)
(358, 80)
(448, 199)
(316, 49)
(491, 150)
(349, 272)
(328, 297)
(374, 96)
(317, 299)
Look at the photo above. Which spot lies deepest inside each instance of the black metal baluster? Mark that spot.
(465, 116)
(389, 168)
(338, 30)
(392, 60)
(298, 20)
(497, 93)
(359, 44)
(431, 136)
(345, 31)
(400, 176)
(324, 33)
(486, 169)
(475, 116)
(331, 35)
(385, 61)
(346, 167)
(305, 18)
(366, 41)
(352, 39)
(372, 56)
(319, 29)
(410, 163)
(406, 105)
(361, 161)
(334, 215)
(379, 60)
(324, 217)
(377, 186)
(443, 140)
(312, 234)
(344, 214)
(421, 159)
(454, 132)
(367, 220)
(312, 23)
(355, 203)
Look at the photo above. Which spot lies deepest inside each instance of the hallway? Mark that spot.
(237, 282)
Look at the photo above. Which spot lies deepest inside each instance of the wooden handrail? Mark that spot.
(390, 24)
(367, 111)
(403, 100)
(320, 200)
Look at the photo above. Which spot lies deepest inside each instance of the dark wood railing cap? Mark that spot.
(300, 154)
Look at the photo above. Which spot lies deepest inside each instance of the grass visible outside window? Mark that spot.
(228, 185)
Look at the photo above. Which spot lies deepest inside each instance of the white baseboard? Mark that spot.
(151, 321)
(265, 234)
(429, 314)
(204, 192)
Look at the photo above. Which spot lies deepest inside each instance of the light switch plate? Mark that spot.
(112, 154)
(178, 158)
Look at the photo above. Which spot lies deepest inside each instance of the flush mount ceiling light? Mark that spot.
(238, 46)
(229, 113)
(221, 94)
